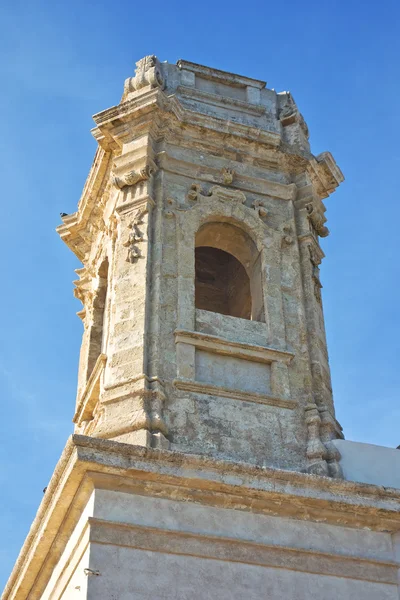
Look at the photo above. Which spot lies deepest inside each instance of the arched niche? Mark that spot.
(228, 271)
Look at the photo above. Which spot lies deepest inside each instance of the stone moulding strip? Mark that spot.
(261, 187)
(220, 76)
(227, 549)
(198, 478)
(199, 387)
(90, 394)
(187, 116)
(221, 101)
(220, 345)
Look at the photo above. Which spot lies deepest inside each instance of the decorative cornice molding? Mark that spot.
(219, 101)
(189, 477)
(220, 76)
(199, 387)
(220, 345)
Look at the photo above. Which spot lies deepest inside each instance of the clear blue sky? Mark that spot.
(64, 61)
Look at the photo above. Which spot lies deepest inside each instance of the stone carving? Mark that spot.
(135, 236)
(290, 114)
(227, 176)
(194, 192)
(316, 451)
(112, 227)
(260, 208)
(147, 73)
(132, 178)
(288, 236)
(169, 211)
(315, 261)
(216, 192)
(317, 220)
(84, 290)
(329, 431)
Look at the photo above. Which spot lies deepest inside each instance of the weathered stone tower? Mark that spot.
(204, 398)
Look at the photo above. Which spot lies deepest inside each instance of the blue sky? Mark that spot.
(63, 62)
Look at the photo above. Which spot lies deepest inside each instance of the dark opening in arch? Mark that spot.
(222, 284)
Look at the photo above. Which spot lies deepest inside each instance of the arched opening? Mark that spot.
(222, 284)
(227, 272)
(98, 326)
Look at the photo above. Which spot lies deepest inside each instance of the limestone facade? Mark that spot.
(206, 460)
(204, 192)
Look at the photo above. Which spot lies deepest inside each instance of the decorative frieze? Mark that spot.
(216, 192)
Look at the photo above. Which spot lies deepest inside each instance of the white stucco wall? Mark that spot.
(367, 463)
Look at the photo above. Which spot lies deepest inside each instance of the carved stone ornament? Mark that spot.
(147, 73)
(216, 192)
(135, 236)
(227, 176)
(317, 220)
(316, 451)
(315, 261)
(288, 236)
(170, 206)
(84, 290)
(290, 114)
(132, 178)
(260, 209)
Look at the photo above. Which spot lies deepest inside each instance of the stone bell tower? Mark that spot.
(206, 456)
(198, 230)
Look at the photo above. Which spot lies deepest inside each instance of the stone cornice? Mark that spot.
(187, 478)
(221, 101)
(72, 231)
(219, 345)
(199, 387)
(220, 76)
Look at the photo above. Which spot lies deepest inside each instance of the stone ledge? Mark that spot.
(199, 387)
(203, 479)
(243, 350)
